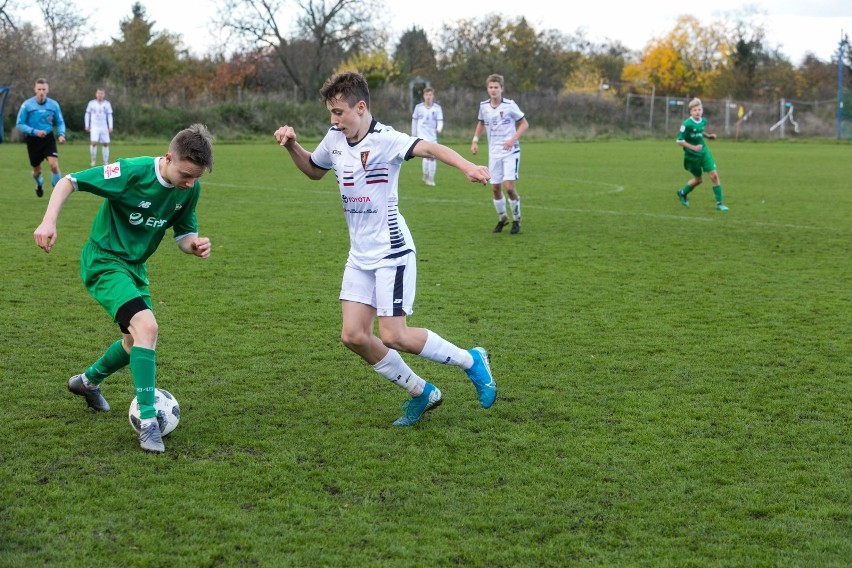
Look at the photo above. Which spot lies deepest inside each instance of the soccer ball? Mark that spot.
(168, 412)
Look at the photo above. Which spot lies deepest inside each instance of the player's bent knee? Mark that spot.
(354, 341)
(135, 313)
(144, 330)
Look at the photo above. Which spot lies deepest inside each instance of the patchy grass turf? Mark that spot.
(674, 384)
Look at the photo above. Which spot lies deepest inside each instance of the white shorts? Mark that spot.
(99, 136)
(390, 289)
(504, 168)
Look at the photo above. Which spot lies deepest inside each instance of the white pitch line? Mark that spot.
(550, 207)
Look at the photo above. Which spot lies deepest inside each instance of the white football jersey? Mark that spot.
(427, 122)
(99, 115)
(368, 177)
(500, 125)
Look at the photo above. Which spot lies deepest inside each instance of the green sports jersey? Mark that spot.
(138, 207)
(693, 133)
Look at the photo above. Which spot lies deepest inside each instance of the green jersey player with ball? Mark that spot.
(142, 198)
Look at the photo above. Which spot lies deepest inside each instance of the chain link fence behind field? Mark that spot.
(590, 115)
(780, 119)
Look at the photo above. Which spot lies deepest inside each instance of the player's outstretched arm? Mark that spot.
(45, 233)
(286, 136)
(474, 173)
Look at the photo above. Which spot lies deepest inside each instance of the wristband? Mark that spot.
(475, 140)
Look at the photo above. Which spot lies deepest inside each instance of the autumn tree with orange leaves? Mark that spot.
(686, 61)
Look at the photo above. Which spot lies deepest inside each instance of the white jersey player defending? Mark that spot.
(504, 123)
(380, 275)
(99, 125)
(426, 123)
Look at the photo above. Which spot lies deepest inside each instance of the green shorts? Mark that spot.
(697, 165)
(111, 280)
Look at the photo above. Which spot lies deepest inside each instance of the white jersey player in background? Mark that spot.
(504, 123)
(426, 123)
(99, 125)
(380, 276)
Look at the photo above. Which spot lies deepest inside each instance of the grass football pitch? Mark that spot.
(673, 384)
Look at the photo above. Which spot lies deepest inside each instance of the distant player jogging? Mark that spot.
(504, 123)
(426, 123)
(380, 276)
(697, 158)
(99, 125)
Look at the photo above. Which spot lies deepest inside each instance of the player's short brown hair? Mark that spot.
(349, 86)
(194, 144)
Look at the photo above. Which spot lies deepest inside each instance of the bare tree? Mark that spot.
(312, 39)
(65, 24)
(23, 59)
(6, 21)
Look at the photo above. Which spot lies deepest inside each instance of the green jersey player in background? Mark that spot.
(142, 198)
(697, 158)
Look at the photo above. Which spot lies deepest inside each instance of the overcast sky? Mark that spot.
(794, 26)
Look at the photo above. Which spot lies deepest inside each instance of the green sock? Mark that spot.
(143, 366)
(717, 191)
(114, 359)
(686, 189)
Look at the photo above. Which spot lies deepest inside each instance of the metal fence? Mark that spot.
(780, 119)
(605, 113)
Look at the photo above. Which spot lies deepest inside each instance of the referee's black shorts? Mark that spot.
(40, 149)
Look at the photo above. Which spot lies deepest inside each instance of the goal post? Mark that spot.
(842, 113)
(4, 94)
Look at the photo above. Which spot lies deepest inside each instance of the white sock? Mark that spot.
(440, 350)
(93, 150)
(87, 383)
(105, 154)
(500, 206)
(394, 369)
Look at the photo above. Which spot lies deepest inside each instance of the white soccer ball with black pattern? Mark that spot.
(168, 412)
